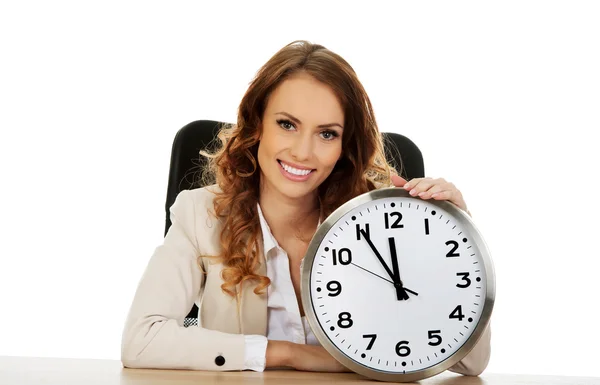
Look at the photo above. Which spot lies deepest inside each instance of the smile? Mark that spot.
(293, 173)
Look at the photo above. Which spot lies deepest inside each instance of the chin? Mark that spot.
(296, 192)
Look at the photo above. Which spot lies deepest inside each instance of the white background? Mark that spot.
(502, 98)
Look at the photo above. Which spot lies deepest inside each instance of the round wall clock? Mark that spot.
(397, 288)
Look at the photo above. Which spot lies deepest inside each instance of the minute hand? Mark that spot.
(385, 266)
(394, 259)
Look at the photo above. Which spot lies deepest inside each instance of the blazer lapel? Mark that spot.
(253, 307)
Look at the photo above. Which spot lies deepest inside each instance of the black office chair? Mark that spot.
(187, 165)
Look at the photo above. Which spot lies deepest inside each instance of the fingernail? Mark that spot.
(413, 192)
(406, 186)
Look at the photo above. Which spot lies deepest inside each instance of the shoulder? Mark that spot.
(195, 209)
(197, 202)
(202, 197)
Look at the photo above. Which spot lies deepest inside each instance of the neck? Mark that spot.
(289, 217)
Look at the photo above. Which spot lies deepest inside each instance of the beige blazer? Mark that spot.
(154, 336)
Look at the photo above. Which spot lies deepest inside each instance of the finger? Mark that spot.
(413, 182)
(398, 181)
(443, 194)
(420, 185)
(450, 192)
(436, 188)
(452, 196)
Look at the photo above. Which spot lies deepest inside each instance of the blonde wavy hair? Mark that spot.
(234, 168)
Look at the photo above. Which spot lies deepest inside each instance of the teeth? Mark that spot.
(294, 171)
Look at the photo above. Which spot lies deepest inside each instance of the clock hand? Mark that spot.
(394, 259)
(368, 271)
(385, 266)
(411, 292)
(400, 291)
(385, 279)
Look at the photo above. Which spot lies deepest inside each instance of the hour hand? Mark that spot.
(400, 290)
(385, 266)
(394, 256)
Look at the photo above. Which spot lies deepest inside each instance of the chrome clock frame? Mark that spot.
(307, 303)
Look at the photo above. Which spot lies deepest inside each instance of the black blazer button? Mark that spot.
(220, 361)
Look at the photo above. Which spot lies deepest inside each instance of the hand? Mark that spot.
(313, 358)
(385, 279)
(372, 246)
(438, 189)
(400, 293)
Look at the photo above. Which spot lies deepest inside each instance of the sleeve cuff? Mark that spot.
(255, 353)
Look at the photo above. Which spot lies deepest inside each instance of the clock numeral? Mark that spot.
(335, 287)
(373, 337)
(401, 349)
(426, 226)
(457, 313)
(435, 334)
(344, 257)
(396, 224)
(344, 320)
(452, 253)
(465, 277)
(359, 231)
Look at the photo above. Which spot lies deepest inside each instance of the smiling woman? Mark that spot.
(305, 142)
(295, 151)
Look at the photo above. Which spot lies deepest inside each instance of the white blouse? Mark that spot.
(283, 315)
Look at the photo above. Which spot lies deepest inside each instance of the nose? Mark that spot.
(301, 149)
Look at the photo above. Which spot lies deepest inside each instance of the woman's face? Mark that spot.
(301, 138)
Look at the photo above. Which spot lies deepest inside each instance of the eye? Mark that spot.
(281, 123)
(329, 134)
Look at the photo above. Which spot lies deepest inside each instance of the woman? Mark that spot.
(306, 141)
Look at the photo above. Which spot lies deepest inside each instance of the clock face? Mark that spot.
(395, 284)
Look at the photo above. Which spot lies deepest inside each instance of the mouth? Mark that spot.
(295, 174)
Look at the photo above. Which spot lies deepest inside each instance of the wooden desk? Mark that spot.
(59, 371)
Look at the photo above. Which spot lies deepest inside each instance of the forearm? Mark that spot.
(278, 354)
(312, 358)
(159, 343)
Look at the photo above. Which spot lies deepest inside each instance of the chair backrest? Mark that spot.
(186, 163)
(198, 135)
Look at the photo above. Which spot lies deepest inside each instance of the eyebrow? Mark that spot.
(296, 120)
